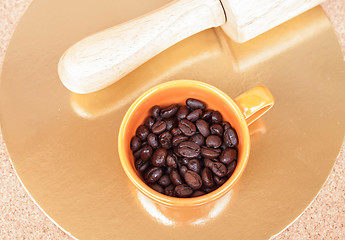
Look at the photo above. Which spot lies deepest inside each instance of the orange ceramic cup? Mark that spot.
(240, 112)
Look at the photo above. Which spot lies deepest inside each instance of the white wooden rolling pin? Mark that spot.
(105, 57)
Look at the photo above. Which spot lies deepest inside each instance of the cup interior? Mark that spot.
(177, 92)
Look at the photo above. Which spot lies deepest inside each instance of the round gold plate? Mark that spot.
(64, 145)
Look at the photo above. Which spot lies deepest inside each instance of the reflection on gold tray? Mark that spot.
(63, 145)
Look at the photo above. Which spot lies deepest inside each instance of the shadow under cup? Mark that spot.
(177, 92)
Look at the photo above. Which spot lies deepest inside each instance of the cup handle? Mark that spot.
(254, 103)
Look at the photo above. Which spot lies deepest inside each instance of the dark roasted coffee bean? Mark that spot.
(176, 140)
(137, 154)
(159, 157)
(194, 165)
(207, 177)
(141, 165)
(208, 162)
(198, 193)
(170, 190)
(165, 140)
(171, 123)
(182, 112)
(155, 110)
(175, 177)
(213, 141)
(135, 143)
(172, 161)
(153, 174)
(159, 127)
(203, 127)
(195, 115)
(195, 104)
(198, 139)
(183, 190)
(176, 131)
(142, 132)
(164, 181)
(149, 121)
(157, 187)
(152, 140)
(219, 180)
(169, 111)
(168, 170)
(231, 168)
(185, 161)
(210, 189)
(209, 152)
(187, 127)
(226, 125)
(175, 149)
(230, 137)
(183, 170)
(216, 117)
(193, 179)
(146, 152)
(228, 155)
(207, 115)
(217, 129)
(189, 149)
(219, 169)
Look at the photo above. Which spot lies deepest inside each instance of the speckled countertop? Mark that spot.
(20, 218)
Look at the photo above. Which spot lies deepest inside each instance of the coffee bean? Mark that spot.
(219, 169)
(210, 189)
(209, 152)
(189, 149)
(176, 131)
(207, 115)
(193, 179)
(182, 112)
(159, 157)
(187, 127)
(216, 117)
(146, 152)
(152, 140)
(142, 132)
(195, 115)
(153, 174)
(155, 110)
(169, 111)
(194, 165)
(228, 155)
(136, 154)
(195, 104)
(198, 193)
(207, 177)
(183, 190)
(165, 140)
(203, 127)
(149, 121)
(164, 181)
(175, 149)
(141, 165)
(171, 123)
(219, 180)
(175, 177)
(230, 137)
(135, 143)
(231, 168)
(172, 161)
(183, 170)
(185, 161)
(213, 141)
(198, 139)
(159, 127)
(157, 187)
(178, 139)
(217, 129)
(170, 190)
(208, 162)
(226, 125)
(168, 170)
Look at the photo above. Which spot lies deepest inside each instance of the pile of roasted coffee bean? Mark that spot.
(185, 150)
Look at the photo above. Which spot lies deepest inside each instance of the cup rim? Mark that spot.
(174, 201)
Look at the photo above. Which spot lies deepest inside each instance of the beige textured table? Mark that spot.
(20, 218)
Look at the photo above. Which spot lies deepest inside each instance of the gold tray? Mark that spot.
(64, 148)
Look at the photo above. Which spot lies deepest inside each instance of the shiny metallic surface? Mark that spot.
(64, 147)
